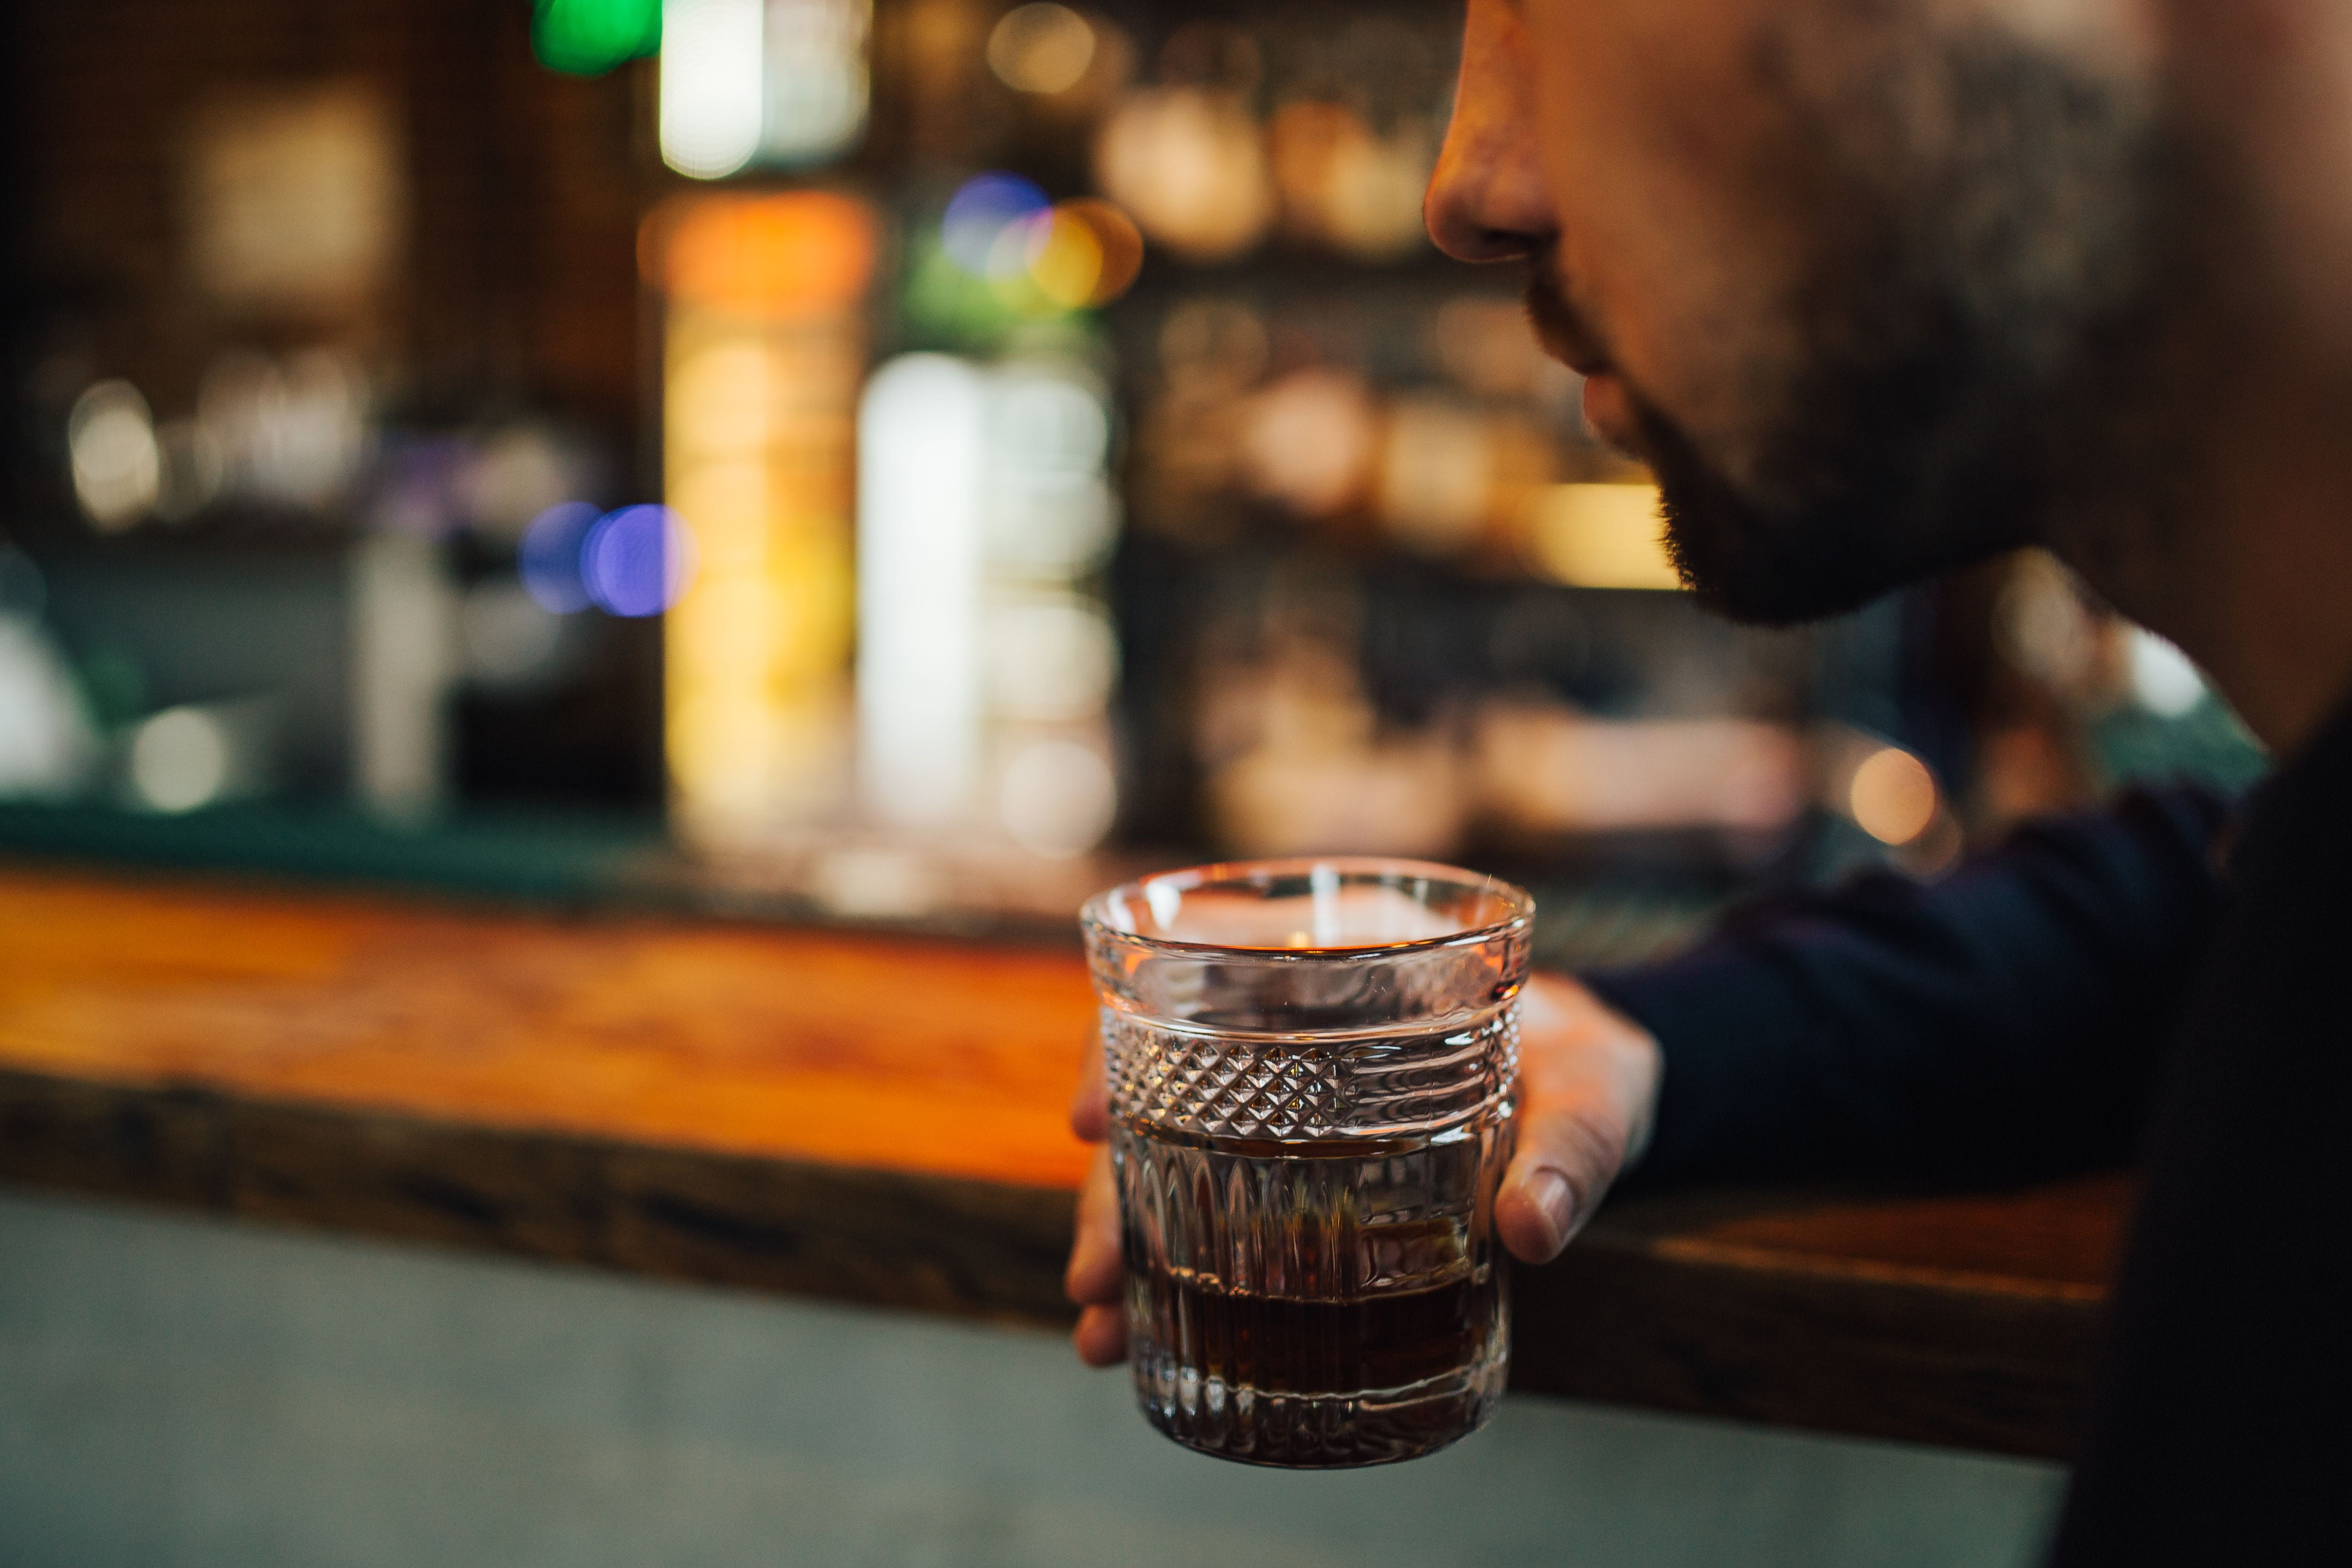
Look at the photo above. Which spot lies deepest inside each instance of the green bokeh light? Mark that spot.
(589, 37)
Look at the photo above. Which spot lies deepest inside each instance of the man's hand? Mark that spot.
(1588, 1087)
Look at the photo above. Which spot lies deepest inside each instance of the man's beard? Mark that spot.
(1963, 340)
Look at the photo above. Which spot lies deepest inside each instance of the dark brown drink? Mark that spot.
(1333, 1307)
(1281, 1345)
(1313, 1067)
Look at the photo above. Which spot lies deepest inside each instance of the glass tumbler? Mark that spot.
(1313, 1069)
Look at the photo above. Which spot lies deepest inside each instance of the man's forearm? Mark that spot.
(2005, 1023)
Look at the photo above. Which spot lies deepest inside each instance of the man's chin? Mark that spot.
(1761, 570)
(1610, 410)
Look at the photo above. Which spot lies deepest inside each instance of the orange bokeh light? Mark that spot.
(765, 256)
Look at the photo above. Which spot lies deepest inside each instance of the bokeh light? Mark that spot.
(117, 466)
(589, 37)
(817, 79)
(1603, 536)
(2163, 679)
(286, 433)
(713, 85)
(180, 759)
(1058, 797)
(1189, 164)
(1309, 440)
(1082, 252)
(766, 257)
(1041, 48)
(1893, 795)
(982, 213)
(549, 557)
(637, 560)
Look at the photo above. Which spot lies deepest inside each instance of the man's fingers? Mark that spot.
(1095, 1280)
(1094, 1276)
(1566, 1162)
(1588, 1080)
(1090, 1104)
(1101, 1337)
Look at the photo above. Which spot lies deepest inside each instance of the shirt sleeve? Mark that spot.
(2006, 1022)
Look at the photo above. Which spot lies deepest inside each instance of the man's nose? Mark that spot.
(1487, 200)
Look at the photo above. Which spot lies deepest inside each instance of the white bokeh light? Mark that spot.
(713, 87)
(117, 465)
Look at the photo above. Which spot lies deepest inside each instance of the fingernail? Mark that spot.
(1554, 1201)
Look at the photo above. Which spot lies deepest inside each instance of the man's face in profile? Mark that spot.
(1857, 280)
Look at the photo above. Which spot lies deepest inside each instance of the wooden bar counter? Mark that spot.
(880, 1119)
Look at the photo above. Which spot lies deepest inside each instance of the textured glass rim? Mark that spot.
(1522, 904)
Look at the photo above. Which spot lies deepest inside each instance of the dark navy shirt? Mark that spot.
(2092, 991)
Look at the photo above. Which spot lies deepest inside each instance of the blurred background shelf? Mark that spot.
(1019, 430)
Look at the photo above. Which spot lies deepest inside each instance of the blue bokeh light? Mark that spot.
(637, 560)
(982, 208)
(549, 557)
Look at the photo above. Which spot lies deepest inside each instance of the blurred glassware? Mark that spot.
(922, 465)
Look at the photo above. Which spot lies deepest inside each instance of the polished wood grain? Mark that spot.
(923, 1056)
(880, 1120)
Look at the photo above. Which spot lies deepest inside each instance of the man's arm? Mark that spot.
(2004, 1023)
